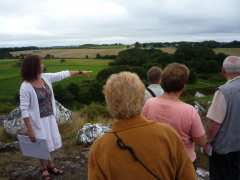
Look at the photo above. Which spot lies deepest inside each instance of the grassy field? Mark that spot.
(10, 73)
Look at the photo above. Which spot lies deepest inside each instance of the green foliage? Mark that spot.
(105, 74)
(94, 111)
(62, 61)
(202, 59)
(73, 88)
(6, 108)
(18, 63)
(137, 45)
(63, 95)
(139, 57)
(192, 77)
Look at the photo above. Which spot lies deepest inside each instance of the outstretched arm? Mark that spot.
(58, 76)
(77, 73)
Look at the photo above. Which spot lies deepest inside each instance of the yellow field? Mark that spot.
(229, 51)
(91, 53)
(72, 53)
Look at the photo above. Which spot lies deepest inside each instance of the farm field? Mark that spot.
(10, 73)
(72, 53)
(91, 53)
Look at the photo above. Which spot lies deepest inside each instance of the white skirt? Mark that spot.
(49, 131)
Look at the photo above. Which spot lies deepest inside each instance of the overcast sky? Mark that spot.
(73, 22)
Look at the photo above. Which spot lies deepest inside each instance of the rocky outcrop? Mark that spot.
(75, 167)
(202, 174)
(9, 146)
(14, 124)
(2, 118)
(90, 132)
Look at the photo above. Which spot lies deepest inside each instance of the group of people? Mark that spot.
(153, 132)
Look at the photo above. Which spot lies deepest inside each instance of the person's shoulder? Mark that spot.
(46, 75)
(101, 142)
(165, 129)
(152, 100)
(187, 106)
(24, 85)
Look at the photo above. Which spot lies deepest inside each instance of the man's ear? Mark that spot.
(223, 72)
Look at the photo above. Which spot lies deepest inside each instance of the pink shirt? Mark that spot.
(181, 116)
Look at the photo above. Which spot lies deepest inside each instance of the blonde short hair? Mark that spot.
(124, 95)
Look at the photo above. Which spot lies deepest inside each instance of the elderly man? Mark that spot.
(154, 77)
(224, 127)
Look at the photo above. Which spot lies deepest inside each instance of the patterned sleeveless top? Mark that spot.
(44, 96)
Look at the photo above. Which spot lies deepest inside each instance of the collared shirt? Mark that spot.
(156, 144)
(218, 108)
(157, 90)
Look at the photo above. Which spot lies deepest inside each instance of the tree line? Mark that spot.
(202, 61)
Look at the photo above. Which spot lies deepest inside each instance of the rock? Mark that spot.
(199, 95)
(14, 124)
(63, 114)
(2, 118)
(202, 174)
(9, 146)
(90, 132)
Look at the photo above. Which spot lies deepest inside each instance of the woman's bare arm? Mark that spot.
(201, 141)
(30, 131)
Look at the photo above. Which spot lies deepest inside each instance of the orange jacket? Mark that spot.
(156, 144)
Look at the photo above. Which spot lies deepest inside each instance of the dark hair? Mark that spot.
(31, 67)
(174, 77)
(154, 74)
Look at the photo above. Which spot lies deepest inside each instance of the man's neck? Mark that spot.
(172, 95)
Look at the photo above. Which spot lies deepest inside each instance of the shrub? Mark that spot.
(192, 77)
(94, 111)
(6, 108)
(62, 61)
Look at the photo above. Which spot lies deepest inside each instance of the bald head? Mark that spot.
(231, 64)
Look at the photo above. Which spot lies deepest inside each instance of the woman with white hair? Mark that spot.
(136, 148)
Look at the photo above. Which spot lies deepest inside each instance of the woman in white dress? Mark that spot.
(38, 108)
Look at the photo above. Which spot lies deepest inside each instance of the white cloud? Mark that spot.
(63, 22)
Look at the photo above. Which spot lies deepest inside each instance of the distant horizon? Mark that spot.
(114, 43)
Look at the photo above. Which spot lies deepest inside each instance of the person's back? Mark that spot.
(156, 145)
(170, 109)
(154, 77)
(153, 90)
(181, 116)
(228, 135)
(224, 124)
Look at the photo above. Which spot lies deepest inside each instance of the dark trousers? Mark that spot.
(225, 167)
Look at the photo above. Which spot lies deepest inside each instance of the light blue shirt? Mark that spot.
(157, 90)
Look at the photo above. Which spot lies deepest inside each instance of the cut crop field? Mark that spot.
(92, 53)
(72, 53)
(10, 73)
